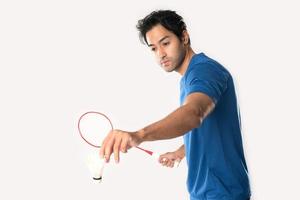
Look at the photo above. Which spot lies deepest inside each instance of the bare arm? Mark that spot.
(190, 115)
(196, 107)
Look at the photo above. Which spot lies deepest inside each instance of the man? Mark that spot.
(208, 117)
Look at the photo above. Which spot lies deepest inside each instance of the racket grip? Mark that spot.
(147, 151)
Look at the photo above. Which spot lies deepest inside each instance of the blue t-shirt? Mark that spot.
(214, 151)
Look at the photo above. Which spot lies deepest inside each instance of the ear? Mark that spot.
(185, 37)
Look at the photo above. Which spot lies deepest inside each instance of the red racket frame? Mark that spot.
(98, 146)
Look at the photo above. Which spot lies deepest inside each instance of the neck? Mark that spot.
(188, 56)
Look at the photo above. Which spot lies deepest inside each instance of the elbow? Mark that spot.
(197, 116)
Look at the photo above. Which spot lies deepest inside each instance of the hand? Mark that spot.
(117, 141)
(169, 159)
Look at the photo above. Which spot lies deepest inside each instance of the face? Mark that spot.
(168, 50)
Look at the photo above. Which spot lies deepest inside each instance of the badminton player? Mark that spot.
(208, 118)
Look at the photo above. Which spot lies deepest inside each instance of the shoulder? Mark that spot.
(204, 67)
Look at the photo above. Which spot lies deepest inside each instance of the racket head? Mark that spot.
(93, 127)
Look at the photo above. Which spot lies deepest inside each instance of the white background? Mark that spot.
(61, 58)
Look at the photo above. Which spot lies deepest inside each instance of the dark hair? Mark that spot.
(167, 18)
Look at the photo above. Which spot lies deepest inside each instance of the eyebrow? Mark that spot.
(149, 45)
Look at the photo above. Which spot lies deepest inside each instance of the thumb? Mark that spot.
(162, 158)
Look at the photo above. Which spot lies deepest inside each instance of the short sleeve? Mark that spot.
(208, 79)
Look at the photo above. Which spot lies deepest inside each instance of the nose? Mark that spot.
(161, 53)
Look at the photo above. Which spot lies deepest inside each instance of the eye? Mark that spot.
(166, 43)
(153, 49)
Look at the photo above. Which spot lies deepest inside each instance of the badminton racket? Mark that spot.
(93, 127)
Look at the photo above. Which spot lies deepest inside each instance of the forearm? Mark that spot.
(174, 125)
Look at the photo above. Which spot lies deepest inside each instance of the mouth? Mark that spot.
(164, 62)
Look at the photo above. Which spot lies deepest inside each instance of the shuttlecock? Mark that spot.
(96, 166)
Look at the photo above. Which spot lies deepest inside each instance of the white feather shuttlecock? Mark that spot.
(96, 166)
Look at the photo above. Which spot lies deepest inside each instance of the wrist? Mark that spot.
(180, 153)
(140, 135)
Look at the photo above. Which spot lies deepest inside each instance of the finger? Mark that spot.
(165, 162)
(164, 157)
(161, 158)
(102, 148)
(169, 164)
(117, 149)
(172, 164)
(101, 151)
(177, 162)
(108, 149)
(124, 145)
